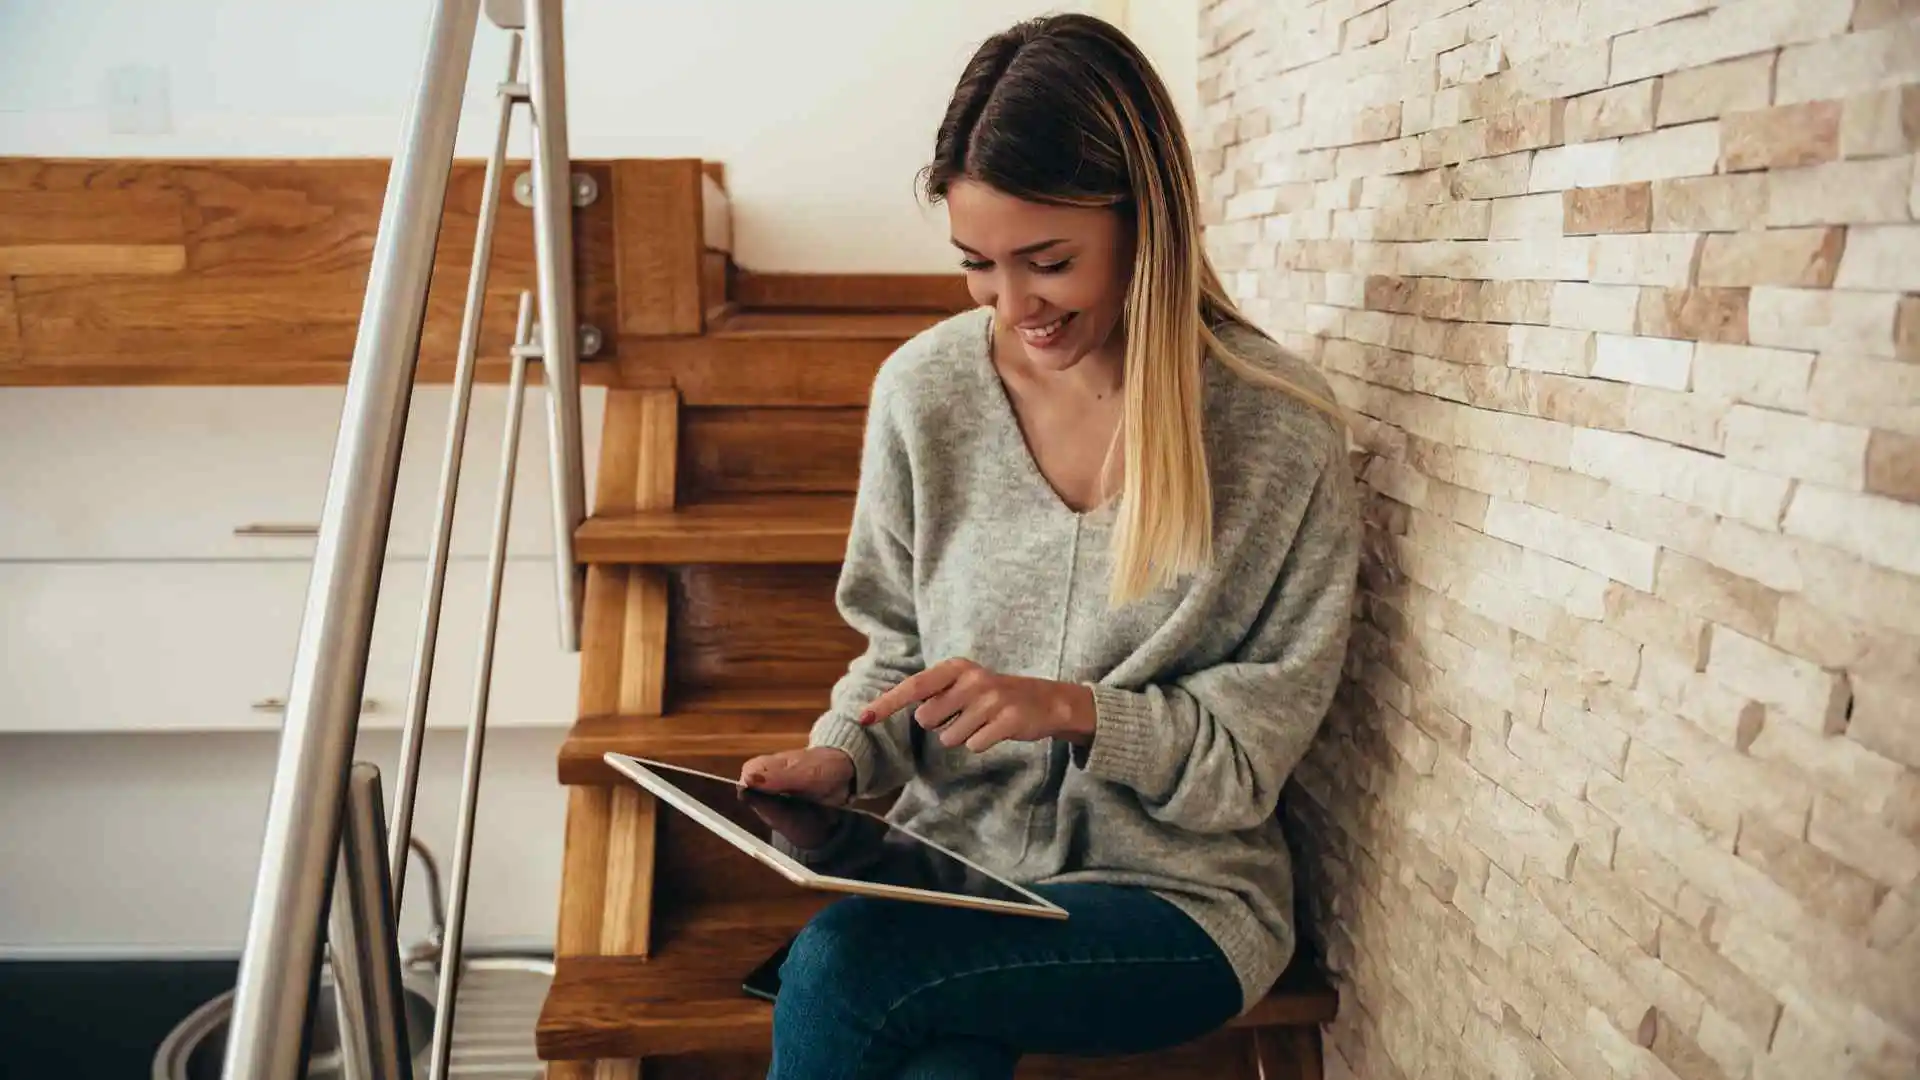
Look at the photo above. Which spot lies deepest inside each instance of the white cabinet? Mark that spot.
(240, 472)
(154, 565)
(208, 646)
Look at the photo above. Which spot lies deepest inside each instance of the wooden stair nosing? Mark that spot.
(768, 529)
(693, 740)
(687, 999)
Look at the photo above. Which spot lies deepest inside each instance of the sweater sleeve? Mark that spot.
(1210, 751)
(875, 596)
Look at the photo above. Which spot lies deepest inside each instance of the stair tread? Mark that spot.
(750, 323)
(686, 998)
(697, 740)
(783, 528)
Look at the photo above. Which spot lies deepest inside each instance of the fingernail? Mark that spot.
(866, 716)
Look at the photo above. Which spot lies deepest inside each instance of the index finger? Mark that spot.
(918, 687)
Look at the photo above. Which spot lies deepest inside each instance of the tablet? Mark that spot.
(834, 848)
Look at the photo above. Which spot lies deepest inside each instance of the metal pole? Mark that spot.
(559, 331)
(363, 944)
(448, 990)
(270, 1004)
(428, 639)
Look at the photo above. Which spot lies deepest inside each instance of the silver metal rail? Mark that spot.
(312, 785)
(428, 638)
(364, 950)
(553, 261)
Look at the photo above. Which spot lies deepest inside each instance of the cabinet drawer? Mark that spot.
(208, 646)
(241, 472)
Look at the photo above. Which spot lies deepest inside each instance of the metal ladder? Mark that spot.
(327, 843)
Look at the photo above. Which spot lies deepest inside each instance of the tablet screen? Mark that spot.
(841, 842)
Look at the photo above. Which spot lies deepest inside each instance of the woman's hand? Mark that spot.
(968, 704)
(820, 773)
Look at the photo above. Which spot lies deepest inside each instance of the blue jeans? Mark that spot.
(886, 990)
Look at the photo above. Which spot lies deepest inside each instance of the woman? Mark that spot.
(1103, 553)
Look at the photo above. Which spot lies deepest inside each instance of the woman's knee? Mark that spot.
(842, 954)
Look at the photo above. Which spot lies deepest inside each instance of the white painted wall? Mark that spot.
(823, 111)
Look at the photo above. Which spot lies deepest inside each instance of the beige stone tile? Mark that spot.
(1687, 419)
(1886, 718)
(1657, 362)
(1797, 257)
(1491, 178)
(1832, 890)
(1670, 153)
(1609, 308)
(1607, 114)
(1704, 93)
(1620, 557)
(1796, 691)
(1780, 137)
(1840, 193)
(1717, 595)
(1666, 259)
(1786, 444)
(1705, 314)
(1776, 378)
(1582, 165)
(1526, 217)
(1617, 208)
(1885, 257)
(1747, 1005)
(1893, 465)
(1877, 529)
(1850, 64)
(1881, 124)
(1866, 391)
(1710, 203)
(1545, 348)
(1858, 323)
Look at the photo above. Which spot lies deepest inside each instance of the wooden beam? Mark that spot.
(657, 208)
(853, 292)
(9, 324)
(267, 265)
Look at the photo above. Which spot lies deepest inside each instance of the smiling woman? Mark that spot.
(1103, 555)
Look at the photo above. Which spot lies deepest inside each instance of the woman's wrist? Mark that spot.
(1076, 716)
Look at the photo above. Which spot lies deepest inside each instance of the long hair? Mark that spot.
(1066, 110)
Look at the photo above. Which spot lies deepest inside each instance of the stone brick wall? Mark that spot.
(1626, 778)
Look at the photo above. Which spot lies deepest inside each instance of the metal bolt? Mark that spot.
(585, 189)
(589, 339)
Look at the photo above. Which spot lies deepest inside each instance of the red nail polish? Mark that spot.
(866, 716)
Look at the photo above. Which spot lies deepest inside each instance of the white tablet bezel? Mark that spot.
(639, 771)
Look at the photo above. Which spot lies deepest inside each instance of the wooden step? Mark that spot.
(687, 998)
(784, 529)
(711, 742)
(773, 357)
(943, 293)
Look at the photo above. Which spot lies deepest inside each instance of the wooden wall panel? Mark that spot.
(276, 256)
(109, 232)
(755, 451)
(757, 635)
(943, 293)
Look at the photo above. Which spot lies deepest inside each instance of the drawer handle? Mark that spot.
(274, 704)
(279, 530)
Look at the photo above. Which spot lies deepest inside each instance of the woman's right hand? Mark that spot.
(820, 773)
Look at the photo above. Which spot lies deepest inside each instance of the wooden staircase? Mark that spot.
(725, 489)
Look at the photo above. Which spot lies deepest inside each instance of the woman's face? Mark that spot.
(1057, 276)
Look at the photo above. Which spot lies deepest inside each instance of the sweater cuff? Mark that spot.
(847, 735)
(1123, 737)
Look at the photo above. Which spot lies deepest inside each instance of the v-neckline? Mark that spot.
(1012, 432)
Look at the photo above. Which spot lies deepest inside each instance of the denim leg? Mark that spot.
(872, 984)
(961, 1059)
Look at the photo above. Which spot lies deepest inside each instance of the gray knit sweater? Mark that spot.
(1206, 695)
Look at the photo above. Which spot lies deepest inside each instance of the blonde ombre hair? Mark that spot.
(1066, 110)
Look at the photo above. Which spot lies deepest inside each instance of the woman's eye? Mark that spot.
(1052, 267)
(975, 264)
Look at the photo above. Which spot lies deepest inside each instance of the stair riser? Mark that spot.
(744, 451)
(747, 631)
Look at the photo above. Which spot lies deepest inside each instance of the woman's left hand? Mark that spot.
(966, 703)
